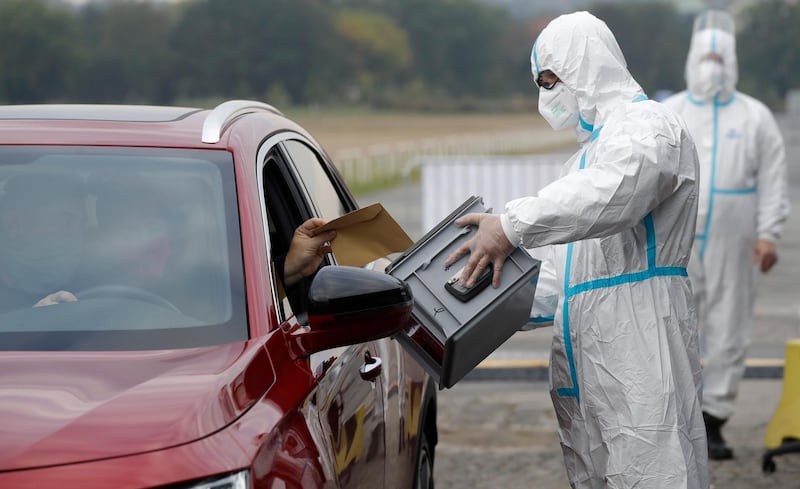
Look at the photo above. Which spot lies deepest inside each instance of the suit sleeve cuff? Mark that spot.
(511, 234)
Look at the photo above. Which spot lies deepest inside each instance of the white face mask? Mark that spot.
(710, 79)
(558, 107)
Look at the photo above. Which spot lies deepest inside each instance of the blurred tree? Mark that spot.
(253, 44)
(403, 53)
(379, 52)
(768, 48)
(513, 72)
(654, 39)
(127, 53)
(455, 43)
(38, 50)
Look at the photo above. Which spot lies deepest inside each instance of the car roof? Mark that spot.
(145, 125)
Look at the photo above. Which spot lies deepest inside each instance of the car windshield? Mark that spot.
(109, 248)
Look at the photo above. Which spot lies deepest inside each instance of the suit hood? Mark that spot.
(716, 41)
(583, 52)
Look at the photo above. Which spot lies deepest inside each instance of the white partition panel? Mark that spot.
(449, 181)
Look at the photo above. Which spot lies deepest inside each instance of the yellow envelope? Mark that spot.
(365, 235)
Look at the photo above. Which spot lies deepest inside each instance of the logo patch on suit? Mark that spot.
(733, 133)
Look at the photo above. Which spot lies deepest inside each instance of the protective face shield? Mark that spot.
(714, 19)
(559, 107)
(711, 67)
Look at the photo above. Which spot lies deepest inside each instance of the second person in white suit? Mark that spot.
(741, 212)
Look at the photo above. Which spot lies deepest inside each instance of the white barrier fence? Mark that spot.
(449, 181)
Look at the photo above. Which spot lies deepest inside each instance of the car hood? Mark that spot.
(67, 407)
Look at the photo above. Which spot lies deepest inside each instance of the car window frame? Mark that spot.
(299, 190)
(339, 187)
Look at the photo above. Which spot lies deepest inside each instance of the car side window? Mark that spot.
(328, 201)
(297, 186)
(286, 210)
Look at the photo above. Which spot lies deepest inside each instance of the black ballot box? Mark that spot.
(455, 329)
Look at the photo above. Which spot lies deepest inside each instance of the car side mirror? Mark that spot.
(350, 305)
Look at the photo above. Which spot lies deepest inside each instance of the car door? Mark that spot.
(349, 408)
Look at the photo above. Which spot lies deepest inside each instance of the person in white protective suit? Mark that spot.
(741, 212)
(624, 369)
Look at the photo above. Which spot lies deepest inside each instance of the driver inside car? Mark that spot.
(132, 244)
(42, 230)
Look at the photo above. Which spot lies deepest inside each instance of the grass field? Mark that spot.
(343, 130)
(374, 148)
(378, 149)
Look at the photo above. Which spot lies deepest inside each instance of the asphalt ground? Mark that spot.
(497, 426)
(502, 434)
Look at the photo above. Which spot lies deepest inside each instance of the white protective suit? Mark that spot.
(743, 197)
(624, 370)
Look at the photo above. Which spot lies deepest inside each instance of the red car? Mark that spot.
(146, 337)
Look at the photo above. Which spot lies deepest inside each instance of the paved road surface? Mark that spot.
(497, 434)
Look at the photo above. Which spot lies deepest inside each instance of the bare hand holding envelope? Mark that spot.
(365, 235)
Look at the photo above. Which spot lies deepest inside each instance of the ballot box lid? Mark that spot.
(451, 336)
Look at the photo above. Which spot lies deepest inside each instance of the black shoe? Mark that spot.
(717, 448)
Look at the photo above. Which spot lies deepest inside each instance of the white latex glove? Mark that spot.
(56, 298)
(489, 247)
